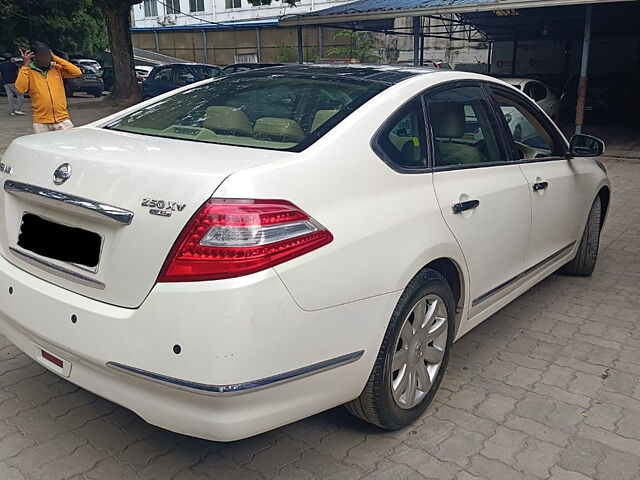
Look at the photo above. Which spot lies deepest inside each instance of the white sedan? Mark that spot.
(248, 251)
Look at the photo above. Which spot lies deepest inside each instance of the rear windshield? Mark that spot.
(264, 111)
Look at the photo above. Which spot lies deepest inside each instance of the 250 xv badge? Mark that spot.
(162, 208)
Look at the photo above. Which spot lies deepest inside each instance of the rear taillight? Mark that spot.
(230, 238)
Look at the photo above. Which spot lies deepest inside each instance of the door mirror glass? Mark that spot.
(586, 146)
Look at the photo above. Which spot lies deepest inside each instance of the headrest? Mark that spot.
(279, 129)
(320, 117)
(228, 120)
(447, 119)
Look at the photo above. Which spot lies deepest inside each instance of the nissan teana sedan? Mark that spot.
(247, 251)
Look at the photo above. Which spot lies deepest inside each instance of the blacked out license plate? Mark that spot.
(59, 242)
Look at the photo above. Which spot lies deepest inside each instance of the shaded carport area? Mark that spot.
(587, 51)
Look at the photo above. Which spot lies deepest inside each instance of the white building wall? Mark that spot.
(217, 11)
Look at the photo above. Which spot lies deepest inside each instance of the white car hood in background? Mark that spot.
(121, 170)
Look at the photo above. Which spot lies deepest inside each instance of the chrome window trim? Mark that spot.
(238, 388)
(116, 214)
(58, 270)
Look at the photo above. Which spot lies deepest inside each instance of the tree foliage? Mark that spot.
(71, 26)
(361, 47)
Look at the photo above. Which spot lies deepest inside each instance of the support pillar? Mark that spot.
(514, 56)
(300, 46)
(258, 45)
(204, 46)
(417, 33)
(582, 88)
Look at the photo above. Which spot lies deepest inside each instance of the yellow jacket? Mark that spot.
(46, 89)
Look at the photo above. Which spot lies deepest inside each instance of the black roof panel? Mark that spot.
(376, 73)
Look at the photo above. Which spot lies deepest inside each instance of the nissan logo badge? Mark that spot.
(62, 174)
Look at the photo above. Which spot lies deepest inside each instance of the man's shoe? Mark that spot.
(19, 112)
(12, 114)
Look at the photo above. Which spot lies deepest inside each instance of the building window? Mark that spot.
(233, 4)
(173, 6)
(196, 5)
(150, 8)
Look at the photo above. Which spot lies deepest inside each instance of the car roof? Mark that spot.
(388, 74)
(189, 64)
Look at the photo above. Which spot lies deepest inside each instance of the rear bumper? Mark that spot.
(250, 359)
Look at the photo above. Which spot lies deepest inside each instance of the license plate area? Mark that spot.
(60, 242)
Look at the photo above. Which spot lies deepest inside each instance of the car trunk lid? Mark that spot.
(97, 211)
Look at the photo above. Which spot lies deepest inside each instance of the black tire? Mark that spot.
(586, 257)
(97, 93)
(376, 404)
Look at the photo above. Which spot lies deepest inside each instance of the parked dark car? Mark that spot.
(174, 75)
(243, 67)
(90, 82)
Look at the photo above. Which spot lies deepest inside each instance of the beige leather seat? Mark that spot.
(228, 121)
(278, 129)
(321, 117)
(448, 122)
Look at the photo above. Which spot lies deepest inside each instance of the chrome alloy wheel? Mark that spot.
(419, 351)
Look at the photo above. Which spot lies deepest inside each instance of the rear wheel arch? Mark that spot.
(453, 274)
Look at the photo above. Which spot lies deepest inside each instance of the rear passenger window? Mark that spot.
(465, 132)
(402, 142)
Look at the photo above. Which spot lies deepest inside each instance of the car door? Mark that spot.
(159, 82)
(558, 186)
(483, 197)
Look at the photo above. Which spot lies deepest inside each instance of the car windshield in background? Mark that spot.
(203, 72)
(275, 111)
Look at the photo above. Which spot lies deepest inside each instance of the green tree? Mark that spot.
(71, 26)
(117, 14)
(361, 46)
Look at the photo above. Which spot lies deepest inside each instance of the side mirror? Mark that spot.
(585, 146)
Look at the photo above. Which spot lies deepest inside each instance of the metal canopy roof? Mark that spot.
(367, 10)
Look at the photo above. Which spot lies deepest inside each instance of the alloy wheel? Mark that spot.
(419, 351)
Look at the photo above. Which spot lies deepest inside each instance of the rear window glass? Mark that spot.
(275, 111)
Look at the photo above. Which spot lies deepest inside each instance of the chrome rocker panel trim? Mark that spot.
(526, 273)
(239, 388)
(58, 270)
(102, 210)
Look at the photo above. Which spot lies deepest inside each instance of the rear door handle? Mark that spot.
(464, 206)
(540, 186)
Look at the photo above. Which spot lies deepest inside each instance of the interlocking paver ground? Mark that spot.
(549, 387)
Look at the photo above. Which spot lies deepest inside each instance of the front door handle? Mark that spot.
(540, 186)
(464, 206)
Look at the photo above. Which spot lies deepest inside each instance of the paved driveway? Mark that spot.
(549, 387)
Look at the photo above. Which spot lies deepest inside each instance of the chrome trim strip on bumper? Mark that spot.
(58, 270)
(239, 388)
(119, 215)
(527, 272)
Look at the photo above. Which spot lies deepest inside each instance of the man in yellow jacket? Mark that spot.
(41, 75)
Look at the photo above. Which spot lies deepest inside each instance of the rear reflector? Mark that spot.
(55, 360)
(231, 238)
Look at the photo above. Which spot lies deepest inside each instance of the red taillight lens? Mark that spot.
(230, 238)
